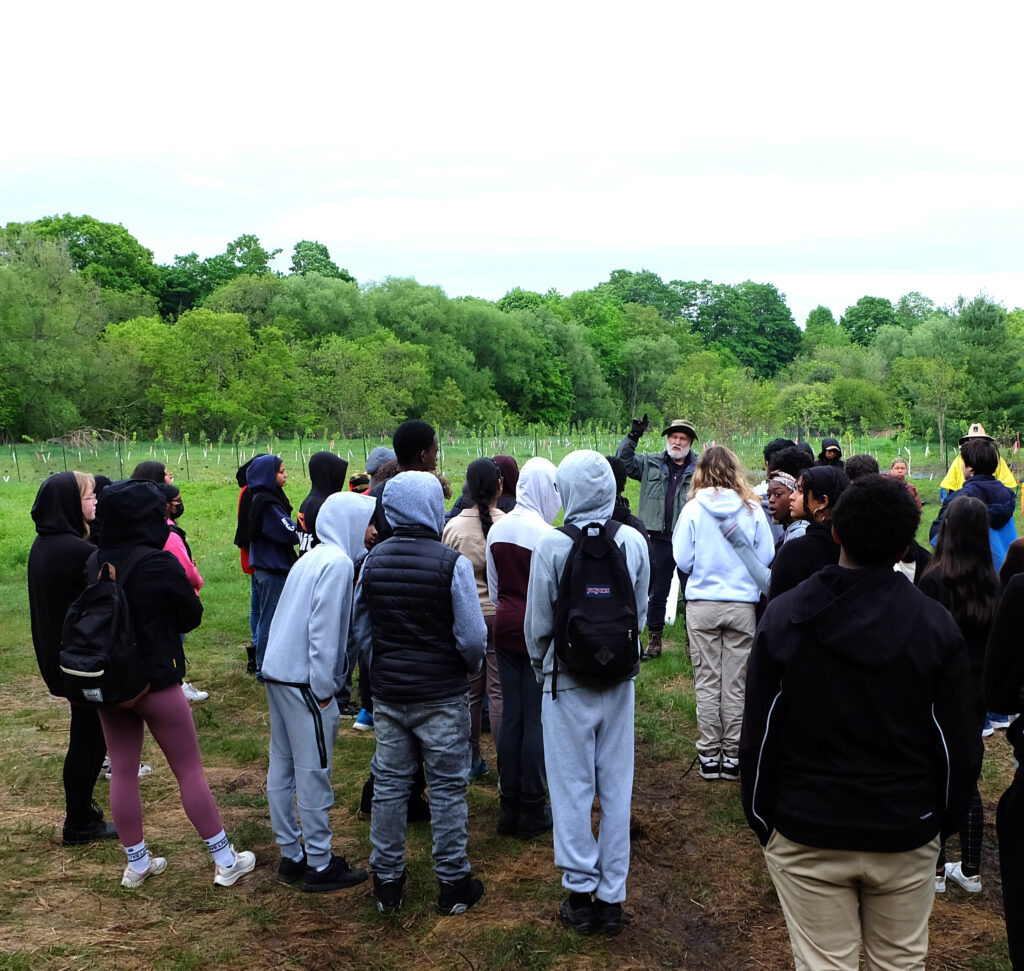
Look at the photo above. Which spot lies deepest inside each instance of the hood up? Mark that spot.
(134, 514)
(536, 489)
(262, 473)
(586, 483)
(241, 476)
(58, 506)
(509, 475)
(845, 611)
(327, 473)
(413, 499)
(342, 521)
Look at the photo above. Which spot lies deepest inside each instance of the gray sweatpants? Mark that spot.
(301, 749)
(588, 748)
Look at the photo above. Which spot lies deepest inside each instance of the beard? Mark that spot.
(678, 452)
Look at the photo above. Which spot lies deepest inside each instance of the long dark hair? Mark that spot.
(482, 478)
(963, 558)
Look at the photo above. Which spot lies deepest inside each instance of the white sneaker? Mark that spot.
(940, 882)
(144, 769)
(193, 694)
(132, 879)
(226, 876)
(956, 874)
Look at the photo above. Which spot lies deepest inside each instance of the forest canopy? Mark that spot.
(94, 333)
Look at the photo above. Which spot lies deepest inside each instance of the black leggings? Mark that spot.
(86, 749)
(970, 839)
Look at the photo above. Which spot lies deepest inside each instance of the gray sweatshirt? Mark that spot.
(309, 632)
(587, 487)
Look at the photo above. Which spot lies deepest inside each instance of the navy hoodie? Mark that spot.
(272, 534)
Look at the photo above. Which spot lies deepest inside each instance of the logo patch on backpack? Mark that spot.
(595, 611)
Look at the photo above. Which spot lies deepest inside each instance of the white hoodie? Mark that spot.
(700, 549)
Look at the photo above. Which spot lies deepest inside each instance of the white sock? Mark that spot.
(320, 869)
(138, 857)
(219, 849)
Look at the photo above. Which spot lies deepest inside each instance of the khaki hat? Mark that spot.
(977, 430)
(681, 425)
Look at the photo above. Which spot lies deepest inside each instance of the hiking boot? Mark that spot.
(458, 897)
(608, 917)
(250, 654)
(954, 872)
(508, 816)
(654, 646)
(534, 820)
(132, 879)
(228, 876)
(577, 913)
(337, 875)
(363, 722)
(90, 829)
(710, 767)
(730, 770)
(389, 893)
(291, 871)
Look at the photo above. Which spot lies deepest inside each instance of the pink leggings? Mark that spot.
(170, 722)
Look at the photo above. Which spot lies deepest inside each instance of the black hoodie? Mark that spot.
(857, 731)
(56, 568)
(162, 600)
(327, 475)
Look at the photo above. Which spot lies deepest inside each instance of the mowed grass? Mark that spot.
(699, 896)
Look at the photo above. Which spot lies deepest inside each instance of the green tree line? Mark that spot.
(94, 333)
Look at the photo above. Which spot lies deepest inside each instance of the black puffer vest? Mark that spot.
(407, 584)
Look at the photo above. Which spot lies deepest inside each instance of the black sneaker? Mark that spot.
(533, 821)
(88, 830)
(608, 917)
(250, 658)
(458, 897)
(389, 893)
(710, 767)
(508, 816)
(577, 913)
(291, 871)
(730, 770)
(336, 876)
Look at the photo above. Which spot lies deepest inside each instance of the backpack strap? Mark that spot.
(576, 535)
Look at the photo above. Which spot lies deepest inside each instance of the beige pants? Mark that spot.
(720, 635)
(834, 899)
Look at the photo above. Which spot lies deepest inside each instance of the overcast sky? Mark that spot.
(834, 150)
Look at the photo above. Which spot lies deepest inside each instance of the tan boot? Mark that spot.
(654, 647)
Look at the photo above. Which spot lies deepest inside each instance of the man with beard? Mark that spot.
(664, 483)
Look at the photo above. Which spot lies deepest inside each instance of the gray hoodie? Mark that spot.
(310, 628)
(587, 486)
(415, 499)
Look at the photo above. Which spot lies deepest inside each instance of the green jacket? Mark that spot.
(651, 469)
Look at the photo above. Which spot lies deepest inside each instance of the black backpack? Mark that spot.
(596, 636)
(100, 661)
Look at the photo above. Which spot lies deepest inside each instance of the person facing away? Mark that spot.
(415, 447)
(510, 546)
(859, 744)
(326, 476)
(588, 728)
(304, 670)
(417, 607)
(954, 477)
(664, 486)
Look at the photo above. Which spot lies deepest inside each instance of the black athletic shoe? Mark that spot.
(508, 816)
(389, 893)
(458, 897)
(577, 913)
(336, 876)
(290, 871)
(88, 830)
(608, 917)
(534, 821)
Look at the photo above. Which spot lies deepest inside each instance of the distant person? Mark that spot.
(665, 479)
(152, 471)
(506, 501)
(588, 728)
(831, 453)
(417, 604)
(377, 457)
(510, 545)
(326, 476)
(273, 537)
(242, 542)
(56, 576)
(304, 669)
(900, 470)
(954, 477)
(858, 746)
(162, 604)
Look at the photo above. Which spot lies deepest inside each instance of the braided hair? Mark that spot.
(483, 478)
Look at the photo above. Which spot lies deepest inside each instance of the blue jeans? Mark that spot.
(439, 731)
(254, 610)
(268, 584)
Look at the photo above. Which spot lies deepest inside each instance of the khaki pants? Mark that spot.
(720, 635)
(834, 899)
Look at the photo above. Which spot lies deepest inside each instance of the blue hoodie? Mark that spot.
(1000, 501)
(273, 535)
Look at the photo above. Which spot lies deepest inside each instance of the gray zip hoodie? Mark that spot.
(309, 632)
(587, 486)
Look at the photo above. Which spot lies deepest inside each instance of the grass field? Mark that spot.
(699, 895)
